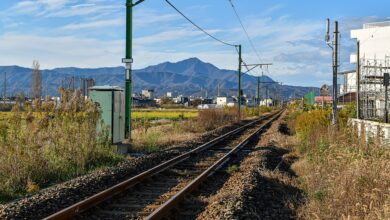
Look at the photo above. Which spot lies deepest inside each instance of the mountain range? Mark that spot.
(190, 77)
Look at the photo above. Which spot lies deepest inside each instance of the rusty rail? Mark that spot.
(164, 209)
(100, 197)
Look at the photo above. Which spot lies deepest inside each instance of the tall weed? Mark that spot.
(49, 143)
(344, 176)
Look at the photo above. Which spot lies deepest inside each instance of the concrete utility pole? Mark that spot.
(239, 82)
(358, 80)
(334, 47)
(335, 66)
(128, 60)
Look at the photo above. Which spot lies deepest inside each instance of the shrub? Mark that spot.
(214, 118)
(309, 125)
(344, 177)
(348, 111)
(264, 109)
(50, 143)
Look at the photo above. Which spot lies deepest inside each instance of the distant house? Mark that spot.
(323, 100)
(207, 101)
(226, 101)
(169, 94)
(143, 103)
(181, 100)
(266, 102)
(147, 93)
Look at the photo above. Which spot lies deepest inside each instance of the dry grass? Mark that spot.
(49, 143)
(159, 137)
(344, 177)
(163, 114)
(153, 138)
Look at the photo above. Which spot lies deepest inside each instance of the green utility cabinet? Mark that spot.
(111, 101)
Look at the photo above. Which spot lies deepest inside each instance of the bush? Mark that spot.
(348, 111)
(50, 143)
(344, 177)
(214, 118)
(309, 125)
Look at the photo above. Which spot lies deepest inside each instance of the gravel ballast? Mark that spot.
(263, 187)
(57, 197)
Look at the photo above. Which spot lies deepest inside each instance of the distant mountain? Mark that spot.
(190, 77)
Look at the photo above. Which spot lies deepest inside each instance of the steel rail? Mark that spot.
(165, 208)
(102, 196)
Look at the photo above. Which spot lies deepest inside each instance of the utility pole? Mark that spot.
(335, 66)
(259, 79)
(334, 47)
(128, 60)
(358, 80)
(239, 82)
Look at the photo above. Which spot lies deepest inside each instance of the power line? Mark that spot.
(246, 32)
(197, 26)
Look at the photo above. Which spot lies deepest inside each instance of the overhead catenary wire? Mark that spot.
(198, 27)
(246, 32)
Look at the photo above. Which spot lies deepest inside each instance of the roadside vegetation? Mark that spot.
(46, 144)
(151, 135)
(344, 176)
(163, 114)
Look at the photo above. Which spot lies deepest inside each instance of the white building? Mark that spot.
(225, 101)
(169, 94)
(266, 102)
(374, 62)
(349, 84)
(147, 93)
(374, 40)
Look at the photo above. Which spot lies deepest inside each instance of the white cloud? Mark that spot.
(295, 47)
(166, 36)
(59, 51)
(94, 24)
(144, 18)
(62, 8)
(87, 9)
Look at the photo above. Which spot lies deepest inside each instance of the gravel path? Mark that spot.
(57, 197)
(264, 187)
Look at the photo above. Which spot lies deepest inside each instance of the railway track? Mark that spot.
(153, 193)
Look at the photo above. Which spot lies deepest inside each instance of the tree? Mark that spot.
(36, 81)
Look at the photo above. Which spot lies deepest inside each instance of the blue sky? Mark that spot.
(90, 33)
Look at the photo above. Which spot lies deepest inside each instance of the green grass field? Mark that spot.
(163, 114)
(142, 114)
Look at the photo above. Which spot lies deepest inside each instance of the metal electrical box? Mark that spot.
(111, 102)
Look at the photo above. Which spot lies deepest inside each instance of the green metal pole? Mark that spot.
(128, 60)
(239, 82)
